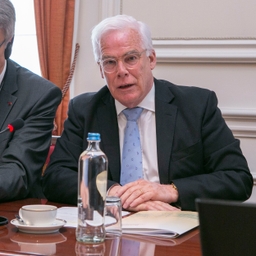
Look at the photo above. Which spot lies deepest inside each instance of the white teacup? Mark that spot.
(38, 214)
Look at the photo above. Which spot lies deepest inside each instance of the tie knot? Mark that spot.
(132, 114)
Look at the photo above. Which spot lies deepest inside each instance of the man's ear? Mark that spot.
(8, 49)
(152, 59)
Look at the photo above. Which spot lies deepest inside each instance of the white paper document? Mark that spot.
(70, 215)
(160, 223)
(150, 223)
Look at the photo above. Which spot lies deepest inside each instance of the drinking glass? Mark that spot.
(113, 216)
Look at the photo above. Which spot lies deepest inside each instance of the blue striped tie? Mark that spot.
(131, 169)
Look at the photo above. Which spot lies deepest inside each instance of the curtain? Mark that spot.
(54, 28)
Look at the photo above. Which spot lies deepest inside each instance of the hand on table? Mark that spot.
(144, 195)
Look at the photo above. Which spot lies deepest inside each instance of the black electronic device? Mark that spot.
(227, 228)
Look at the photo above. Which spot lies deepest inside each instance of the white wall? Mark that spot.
(210, 44)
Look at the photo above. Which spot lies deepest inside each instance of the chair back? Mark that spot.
(227, 228)
(51, 149)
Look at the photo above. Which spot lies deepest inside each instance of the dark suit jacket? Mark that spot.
(22, 153)
(196, 149)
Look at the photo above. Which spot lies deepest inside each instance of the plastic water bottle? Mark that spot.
(92, 189)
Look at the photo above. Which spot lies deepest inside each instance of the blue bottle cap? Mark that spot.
(93, 136)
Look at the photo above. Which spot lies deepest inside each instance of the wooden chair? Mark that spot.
(51, 148)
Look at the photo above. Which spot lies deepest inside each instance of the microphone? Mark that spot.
(15, 125)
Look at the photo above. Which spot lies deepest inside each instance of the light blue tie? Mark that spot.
(131, 169)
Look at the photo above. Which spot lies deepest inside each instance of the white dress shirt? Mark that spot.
(147, 129)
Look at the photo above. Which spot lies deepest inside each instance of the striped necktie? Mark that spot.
(131, 169)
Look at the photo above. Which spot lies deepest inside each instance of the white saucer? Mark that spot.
(54, 227)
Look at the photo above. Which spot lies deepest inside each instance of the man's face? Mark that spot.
(2, 49)
(127, 84)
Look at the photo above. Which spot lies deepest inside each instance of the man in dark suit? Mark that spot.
(28, 96)
(187, 149)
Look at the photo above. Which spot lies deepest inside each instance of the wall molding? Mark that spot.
(194, 50)
(242, 122)
(206, 51)
(110, 8)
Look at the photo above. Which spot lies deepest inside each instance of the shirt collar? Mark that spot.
(147, 103)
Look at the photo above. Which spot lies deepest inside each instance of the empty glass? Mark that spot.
(113, 216)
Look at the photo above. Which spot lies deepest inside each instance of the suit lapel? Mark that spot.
(165, 127)
(110, 137)
(7, 99)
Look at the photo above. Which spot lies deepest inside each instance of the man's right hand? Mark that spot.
(150, 205)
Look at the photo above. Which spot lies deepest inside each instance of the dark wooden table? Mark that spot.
(63, 243)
